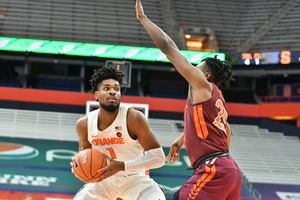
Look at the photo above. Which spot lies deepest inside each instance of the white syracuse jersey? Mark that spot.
(115, 140)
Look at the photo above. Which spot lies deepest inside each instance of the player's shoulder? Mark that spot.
(136, 121)
(134, 115)
(82, 122)
(81, 127)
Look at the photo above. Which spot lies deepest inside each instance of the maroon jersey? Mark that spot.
(205, 126)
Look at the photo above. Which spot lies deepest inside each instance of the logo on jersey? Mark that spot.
(11, 151)
(119, 134)
(108, 141)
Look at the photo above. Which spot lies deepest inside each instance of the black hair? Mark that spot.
(221, 70)
(104, 73)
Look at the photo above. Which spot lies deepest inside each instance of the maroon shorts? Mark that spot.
(219, 178)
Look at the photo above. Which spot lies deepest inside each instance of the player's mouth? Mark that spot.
(112, 100)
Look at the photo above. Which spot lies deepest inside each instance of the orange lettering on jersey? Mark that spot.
(108, 141)
(100, 141)
(95, 142)
(105, 141)
(116, 141)
(121, 140)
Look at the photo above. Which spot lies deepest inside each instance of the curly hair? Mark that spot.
(104, 73)
(221, 70)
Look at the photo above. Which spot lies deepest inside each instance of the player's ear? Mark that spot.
(96, 94)
(208, 75)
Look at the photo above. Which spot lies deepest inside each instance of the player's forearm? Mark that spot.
(84, 144)
(181, 137)
(160, 38)
(154, 158)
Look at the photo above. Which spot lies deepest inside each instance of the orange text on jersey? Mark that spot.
(108, 141)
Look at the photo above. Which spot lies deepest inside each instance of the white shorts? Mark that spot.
(137, 186)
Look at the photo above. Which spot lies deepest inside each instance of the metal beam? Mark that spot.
(266, 26)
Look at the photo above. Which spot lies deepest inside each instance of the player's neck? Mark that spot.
(106, 118)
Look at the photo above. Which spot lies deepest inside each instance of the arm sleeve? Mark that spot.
(153, 158)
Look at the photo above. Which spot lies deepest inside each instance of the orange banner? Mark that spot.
(155, 104)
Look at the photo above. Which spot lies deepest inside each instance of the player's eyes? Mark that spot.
(107, 89)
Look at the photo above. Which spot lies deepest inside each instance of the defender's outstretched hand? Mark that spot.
(175, 149)
(139, 9)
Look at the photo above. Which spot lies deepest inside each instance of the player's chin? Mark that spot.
(111, 107)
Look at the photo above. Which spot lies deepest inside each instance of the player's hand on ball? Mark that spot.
(112, 168)
(72, 161)
(72, 165)
(87, 163)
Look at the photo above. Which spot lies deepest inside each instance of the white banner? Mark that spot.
(288, 195)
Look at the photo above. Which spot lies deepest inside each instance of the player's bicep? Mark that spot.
(138, 126)
(81, 129)
(193, 75)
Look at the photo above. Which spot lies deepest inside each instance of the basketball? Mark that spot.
(86, 164)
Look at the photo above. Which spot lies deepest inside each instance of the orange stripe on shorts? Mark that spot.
(205, 178)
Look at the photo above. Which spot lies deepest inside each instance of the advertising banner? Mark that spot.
(44, 166)
(41, 168)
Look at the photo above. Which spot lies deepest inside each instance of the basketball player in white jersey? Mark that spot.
(124, 136)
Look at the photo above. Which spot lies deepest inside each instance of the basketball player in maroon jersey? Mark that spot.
(206, 132)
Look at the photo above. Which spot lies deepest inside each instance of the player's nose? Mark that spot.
(112, 92)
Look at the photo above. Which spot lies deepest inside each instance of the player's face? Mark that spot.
(109, 95)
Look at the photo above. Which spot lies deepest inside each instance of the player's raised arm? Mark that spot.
(169, 48)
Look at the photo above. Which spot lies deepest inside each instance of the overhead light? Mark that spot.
(194, 44)
(188, 36)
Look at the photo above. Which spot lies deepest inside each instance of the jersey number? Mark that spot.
(222, 116)
(112, 153)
